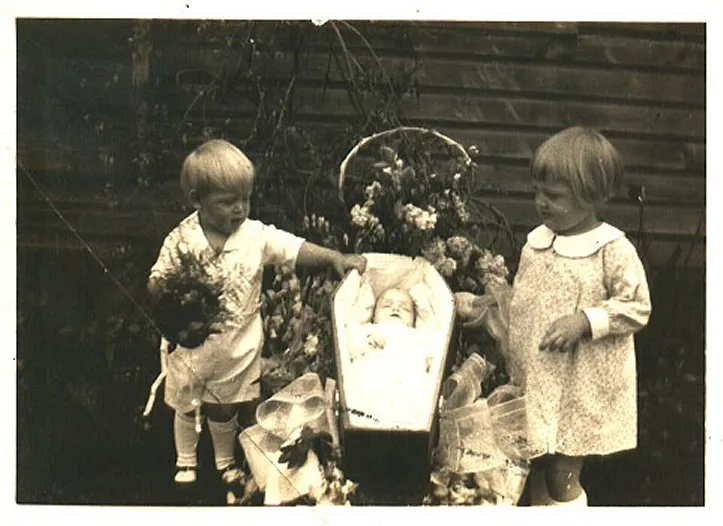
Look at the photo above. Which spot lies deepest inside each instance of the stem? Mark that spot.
(373, 54)
(348, 75)
(257, 118)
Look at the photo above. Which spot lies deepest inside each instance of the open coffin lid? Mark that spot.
(394, 386)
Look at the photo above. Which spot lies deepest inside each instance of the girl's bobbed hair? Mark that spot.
(582, 158)
(216, 165)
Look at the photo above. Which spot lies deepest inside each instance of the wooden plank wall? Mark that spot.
(503, 87)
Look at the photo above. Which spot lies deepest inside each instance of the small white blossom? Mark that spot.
(421, 219)
(311, 345)
(373, 190)
(492, 268)
(426, 222)
(435, 251)
(460, 208)
(446, 267)
(460, 248)
(359, 216)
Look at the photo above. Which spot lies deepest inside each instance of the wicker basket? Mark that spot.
(386, 134)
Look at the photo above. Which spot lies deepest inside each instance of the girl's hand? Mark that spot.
(565, 333)
(473, 311)
(464, 305)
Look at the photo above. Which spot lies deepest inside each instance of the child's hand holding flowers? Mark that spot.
(186, 303)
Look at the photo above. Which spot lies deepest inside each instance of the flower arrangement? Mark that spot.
(297, 319)
(410, 200)
(187, 304)
(414, 202)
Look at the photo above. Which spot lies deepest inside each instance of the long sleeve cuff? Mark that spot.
(599, 322)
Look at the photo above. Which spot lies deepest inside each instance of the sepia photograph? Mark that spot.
(360, 262)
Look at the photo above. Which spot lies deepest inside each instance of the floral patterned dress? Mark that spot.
(582, 402)
(223, 370)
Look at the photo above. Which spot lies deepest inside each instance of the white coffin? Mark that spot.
(392, 383)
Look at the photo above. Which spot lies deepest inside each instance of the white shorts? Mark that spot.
(224, 370)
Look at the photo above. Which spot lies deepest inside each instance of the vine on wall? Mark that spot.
(247, 94)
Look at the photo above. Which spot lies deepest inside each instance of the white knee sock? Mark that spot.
(223, 435)
(186, 439)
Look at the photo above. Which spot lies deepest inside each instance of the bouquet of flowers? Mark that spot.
(187, 304)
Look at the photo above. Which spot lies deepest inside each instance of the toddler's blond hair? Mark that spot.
(216, 165)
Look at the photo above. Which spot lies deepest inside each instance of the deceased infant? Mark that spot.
(395, 306)
(393, 347)
(397, 325)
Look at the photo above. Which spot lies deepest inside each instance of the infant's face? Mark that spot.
(394, 306)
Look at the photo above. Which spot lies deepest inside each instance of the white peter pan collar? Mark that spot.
(576, 246)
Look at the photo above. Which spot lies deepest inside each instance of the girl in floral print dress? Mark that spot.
(579, 295)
